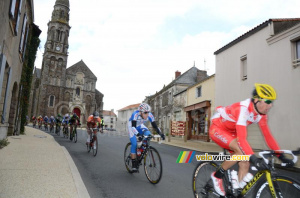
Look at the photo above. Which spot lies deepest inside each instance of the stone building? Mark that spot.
(124, 115)
(162, 103)
(56, 88)
(109, 119)
(16, 29)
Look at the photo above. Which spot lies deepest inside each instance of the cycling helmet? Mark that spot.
(96, 114)
(144, 107)
(74, 115)
(59, 115)
(52, 117)
(264, 91)
(67, 115)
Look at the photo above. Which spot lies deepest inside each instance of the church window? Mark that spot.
(78, 91)
(51, 101)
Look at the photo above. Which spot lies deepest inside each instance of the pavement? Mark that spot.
(34, 165)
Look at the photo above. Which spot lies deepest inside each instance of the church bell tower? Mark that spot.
(55, 60)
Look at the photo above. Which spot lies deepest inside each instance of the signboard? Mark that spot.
(177, 128)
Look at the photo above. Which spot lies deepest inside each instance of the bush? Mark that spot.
(3, 143)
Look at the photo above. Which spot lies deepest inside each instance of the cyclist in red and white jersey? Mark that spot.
(229, 130)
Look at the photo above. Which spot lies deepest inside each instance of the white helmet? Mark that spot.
(67, 115)
(144, 107)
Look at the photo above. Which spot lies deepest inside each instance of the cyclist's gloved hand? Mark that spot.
(289, 162)
(139, 136)
(259, 163)
(162, 136)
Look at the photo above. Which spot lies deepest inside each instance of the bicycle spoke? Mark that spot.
(153, 166)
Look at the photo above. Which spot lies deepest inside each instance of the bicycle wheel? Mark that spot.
(127, 158)
(95, 146)
(75, 136)
(153, 165)
(289, 188)
(202, 183)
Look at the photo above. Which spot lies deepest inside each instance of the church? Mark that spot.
(56, 88)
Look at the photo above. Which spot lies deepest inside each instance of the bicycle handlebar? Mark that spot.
(266, 154)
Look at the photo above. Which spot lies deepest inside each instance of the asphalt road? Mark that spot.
(106, 176)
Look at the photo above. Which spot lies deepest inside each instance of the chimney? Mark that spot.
(177, 74)
(201, 75)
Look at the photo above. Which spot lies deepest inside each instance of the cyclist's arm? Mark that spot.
(269, 139)
(133, 126)
(241, 131)
(154, 125)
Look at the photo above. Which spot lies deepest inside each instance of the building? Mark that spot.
(110, 119)
(56, 88)
(269, 53)
(199, 108)
(162, 103)
(123, 116)
(16, 33)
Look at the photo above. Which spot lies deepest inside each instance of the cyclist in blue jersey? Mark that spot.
(136, 127)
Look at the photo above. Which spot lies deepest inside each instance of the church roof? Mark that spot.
(63, 2)
(81, 67)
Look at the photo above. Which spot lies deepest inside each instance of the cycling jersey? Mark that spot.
(140, 123)
(65, 120)
(73, 120)
(91, 121)
(58, 119)
(45, 119)
(235, 119)
(51, 120)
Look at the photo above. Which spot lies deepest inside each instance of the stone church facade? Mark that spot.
(56, 88)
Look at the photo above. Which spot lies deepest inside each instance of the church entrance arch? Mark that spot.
(77, 111)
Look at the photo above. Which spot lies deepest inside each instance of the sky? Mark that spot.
(134, 47)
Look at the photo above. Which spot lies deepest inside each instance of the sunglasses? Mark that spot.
(145, 112)
(266, 101)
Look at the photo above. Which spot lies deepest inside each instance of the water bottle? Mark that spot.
(139, 144)
(138, 152)
(245, 180)
(234, 179)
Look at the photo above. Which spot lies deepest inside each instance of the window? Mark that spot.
(198, 92)
(78, 91)
(296, 61)
(170, 97)
(51, 101)
(15, 14)
(244, 67)
(24, 35)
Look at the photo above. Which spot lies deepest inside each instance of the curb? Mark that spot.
(81, 189)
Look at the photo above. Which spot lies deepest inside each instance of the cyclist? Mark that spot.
(93, 121)
(74, 121)
(46, 119)
(102, 124)
(51, 122)
(33, 121)
(58, 119)
(136, 126)
(65, 120)
(40, 121)
(229, 130)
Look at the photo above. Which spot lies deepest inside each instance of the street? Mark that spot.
(106, 176)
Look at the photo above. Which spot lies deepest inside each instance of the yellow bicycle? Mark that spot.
(265, 183)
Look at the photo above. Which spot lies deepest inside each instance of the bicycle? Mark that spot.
(33, 123)
(46, 126)
(51, 127)
(65, 130)
(151, 157)
(74, 133)
(93, 144)
(265, 183)
(57, 129)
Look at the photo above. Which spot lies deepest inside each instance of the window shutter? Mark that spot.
(2, 69)
(18, 17)
(23, 34)
(12, 8)
(6, 94)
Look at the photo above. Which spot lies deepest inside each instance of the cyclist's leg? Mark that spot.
(88, 135)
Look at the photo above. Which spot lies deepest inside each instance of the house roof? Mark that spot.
(130, 107)
(109, 113)
(280, 25)
(81, 67)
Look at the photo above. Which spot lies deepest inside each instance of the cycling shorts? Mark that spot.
(221, 136)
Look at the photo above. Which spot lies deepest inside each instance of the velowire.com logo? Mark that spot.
(185, 156)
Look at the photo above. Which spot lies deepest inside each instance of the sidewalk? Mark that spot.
(209, 147)
(35, 165)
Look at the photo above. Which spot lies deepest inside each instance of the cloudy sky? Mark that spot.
(134, 47)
